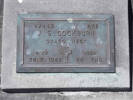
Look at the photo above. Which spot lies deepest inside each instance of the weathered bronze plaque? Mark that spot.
(65, 43)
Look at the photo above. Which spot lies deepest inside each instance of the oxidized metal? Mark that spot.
(65, 43)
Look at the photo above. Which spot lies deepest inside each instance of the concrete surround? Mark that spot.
(65, 95)
(13, 80)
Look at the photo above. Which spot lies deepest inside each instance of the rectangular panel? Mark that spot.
(65, 43)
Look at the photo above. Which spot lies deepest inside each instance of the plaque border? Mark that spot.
(25, 68)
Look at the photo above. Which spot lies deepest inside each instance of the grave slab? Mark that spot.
(118, 80)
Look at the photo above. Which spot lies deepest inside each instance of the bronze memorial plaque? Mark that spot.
(65, 43)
